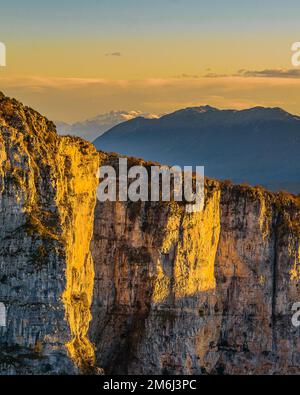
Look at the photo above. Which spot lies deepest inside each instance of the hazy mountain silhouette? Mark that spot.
(258, 145)
(94, 127)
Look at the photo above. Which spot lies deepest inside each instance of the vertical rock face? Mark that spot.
(209, 292)
(47, 200)
(257, 269)
(154, 272)
(137, 287)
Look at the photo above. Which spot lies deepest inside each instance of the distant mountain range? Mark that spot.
(258, 145)
(94, 127)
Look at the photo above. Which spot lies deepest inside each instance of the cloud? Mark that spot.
(72, 99)
(184, 75)
(215, 75)
(266, 73)
(271, 73)
(39, 83)
(113, 54)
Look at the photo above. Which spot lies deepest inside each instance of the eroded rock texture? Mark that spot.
(47, 201)
(137, 287)
(208, 292)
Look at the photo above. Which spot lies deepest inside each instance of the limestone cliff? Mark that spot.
(137, 287)
(47, 200)
(207, 292)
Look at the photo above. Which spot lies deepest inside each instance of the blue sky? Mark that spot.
(77, 18)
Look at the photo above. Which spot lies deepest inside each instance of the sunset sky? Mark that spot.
(72, 59)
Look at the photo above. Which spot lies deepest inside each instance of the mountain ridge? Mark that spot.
(259, 145)
(99, 124)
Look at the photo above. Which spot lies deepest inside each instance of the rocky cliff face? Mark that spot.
(47, 201)
(207, 292)
(137, 287)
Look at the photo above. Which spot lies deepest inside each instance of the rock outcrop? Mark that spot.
(137, 288)
(47, 201)
(208, 292)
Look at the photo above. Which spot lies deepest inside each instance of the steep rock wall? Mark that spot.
(47, 199)
(209, 292)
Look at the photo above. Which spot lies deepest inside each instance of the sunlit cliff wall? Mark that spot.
(209, 292)
(47, 199)
(137, 287)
